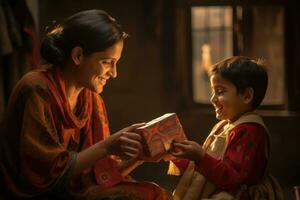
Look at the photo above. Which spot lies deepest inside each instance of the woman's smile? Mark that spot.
(102, 80)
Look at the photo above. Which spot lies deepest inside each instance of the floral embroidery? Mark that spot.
(242, 133)
(104, 177)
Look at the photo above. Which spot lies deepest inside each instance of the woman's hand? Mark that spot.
(125, 143)
(187, 149)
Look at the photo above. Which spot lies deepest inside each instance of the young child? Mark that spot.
(232, 162)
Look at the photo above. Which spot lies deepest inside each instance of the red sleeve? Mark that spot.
(244, 160)
(106, 173)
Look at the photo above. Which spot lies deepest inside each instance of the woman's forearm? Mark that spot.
(127, 166)
(89, 156)
(121, 143)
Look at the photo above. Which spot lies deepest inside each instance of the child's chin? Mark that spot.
(219, 117)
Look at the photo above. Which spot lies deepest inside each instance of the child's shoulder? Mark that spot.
(249, 126)
(249, 129)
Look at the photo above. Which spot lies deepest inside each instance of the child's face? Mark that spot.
(228, 104)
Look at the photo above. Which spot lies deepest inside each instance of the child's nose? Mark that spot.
(213, 98)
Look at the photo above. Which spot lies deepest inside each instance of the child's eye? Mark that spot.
(219, 91)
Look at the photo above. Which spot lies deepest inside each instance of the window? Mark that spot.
(218, 32)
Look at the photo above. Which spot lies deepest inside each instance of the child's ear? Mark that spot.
(77, 55)
(248, 95)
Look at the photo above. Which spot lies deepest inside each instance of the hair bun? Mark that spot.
(52, 49)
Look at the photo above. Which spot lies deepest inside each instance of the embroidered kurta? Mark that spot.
(244, 161)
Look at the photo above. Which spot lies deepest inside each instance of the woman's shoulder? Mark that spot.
(31, 82)
(34, 78)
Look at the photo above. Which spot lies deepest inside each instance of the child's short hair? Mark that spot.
(244, 73)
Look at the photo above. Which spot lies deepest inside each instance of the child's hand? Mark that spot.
(188, 149)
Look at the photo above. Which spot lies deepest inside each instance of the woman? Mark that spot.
(55, 136)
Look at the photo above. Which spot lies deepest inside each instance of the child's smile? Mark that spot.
(228, 104)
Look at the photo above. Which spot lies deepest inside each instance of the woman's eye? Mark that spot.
(105, 62)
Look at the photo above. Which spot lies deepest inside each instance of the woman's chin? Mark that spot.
(97, 89)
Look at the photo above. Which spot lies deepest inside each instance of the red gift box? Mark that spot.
(158, 135)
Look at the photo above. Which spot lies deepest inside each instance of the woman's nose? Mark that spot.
(113, 71)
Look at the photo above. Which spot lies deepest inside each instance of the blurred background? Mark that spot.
(164, 66)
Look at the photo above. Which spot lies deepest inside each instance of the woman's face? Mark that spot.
(95, 69)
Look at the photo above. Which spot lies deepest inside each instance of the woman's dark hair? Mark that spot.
(92, 30)
(244, 73)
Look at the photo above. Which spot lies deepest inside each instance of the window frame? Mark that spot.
(184, 48)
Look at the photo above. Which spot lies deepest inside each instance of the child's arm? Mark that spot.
(244, 161)
(184, 151)
(189, 150)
